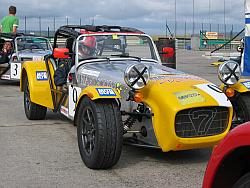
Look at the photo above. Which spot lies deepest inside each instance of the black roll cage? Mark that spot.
(70, 30)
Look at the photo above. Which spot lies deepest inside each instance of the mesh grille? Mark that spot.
(198, 122)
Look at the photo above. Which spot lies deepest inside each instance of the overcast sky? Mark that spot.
(147, 15)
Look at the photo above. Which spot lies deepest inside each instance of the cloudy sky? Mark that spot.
(147, 15)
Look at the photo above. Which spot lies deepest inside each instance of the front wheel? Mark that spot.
(242, 107)
(99, 132)
(243, 182)
(33, 111)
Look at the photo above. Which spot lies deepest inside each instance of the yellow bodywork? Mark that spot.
(40, 92)
(217, 63)
(160, 95)
(239, 87)
(165, 113)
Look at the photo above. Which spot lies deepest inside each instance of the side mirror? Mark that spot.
(62, 53)
(167, 52)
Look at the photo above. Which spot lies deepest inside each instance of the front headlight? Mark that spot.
(229, 72)
(136, 76)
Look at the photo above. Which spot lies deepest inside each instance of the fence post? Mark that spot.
(218, 28)
(185, 34)
(54, 24)
(25, 26)
(40, 26)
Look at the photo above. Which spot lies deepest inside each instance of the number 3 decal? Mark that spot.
(16, 66)
(15, 70)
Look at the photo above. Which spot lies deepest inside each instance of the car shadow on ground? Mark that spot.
(57, 116)
(131, 155)
(9, 83)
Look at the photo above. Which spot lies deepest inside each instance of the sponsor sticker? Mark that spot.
(37, 58)
(114, 36)
(5, 77)
(246, 84)
(106, 92)
(64, 111)
(189, 97)
(41, 75)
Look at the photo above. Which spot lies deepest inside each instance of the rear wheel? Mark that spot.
(243, 182)
(33, 111)
(99, 133)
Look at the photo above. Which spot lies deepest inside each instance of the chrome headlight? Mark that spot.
(229, 72)
(136, 76)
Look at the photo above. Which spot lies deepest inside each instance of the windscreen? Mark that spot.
(32, 43)
(114, 45)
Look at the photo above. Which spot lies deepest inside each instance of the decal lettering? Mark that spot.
(37, 58)
(41, 75)
(177, 78)
(106, 92)
(246, 84)
(5, 77)
(64, 111)
(189, 97)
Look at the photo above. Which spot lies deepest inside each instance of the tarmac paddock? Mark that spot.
(45, 153)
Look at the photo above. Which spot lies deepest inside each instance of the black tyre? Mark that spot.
(242, 107)
(33, 111)
(99, 133)
(243, 182)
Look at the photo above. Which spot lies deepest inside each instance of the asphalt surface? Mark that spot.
(45, 153)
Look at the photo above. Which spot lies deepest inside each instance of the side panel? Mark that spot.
(39, 86)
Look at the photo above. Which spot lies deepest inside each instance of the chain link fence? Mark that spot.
(182, 30)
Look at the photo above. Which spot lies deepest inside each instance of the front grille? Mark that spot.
(199, 122)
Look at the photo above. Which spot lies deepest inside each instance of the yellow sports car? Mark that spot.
(109, 80)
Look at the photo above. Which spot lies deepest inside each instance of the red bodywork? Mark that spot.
(238, 137)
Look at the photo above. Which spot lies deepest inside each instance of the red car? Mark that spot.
(229, 165)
